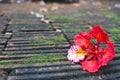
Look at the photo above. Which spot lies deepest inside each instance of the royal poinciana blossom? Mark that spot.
(87, 49)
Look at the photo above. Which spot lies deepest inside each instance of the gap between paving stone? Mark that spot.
(60, 30)
(5, 22)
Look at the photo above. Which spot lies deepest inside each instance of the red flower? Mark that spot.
(94, 56)
(82, 39)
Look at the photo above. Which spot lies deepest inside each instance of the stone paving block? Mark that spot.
(29, 27)
(21, 16)
(61, 70)
(25, 21)
(36, 53)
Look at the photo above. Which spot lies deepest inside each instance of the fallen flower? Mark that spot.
(89, 53)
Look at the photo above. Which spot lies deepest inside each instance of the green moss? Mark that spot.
(38, 59)
(65, 25)
(10, 54)
(112, 15)
(17, 34)
(54, 17)
(108, 14)
(49, 60)
(116, 49)
(7, 35)
(48, 42)
(7, 63)
(114, 33)
(117, 19)
(115, 37)
(28, 61)
(23, 28)
(59, 39)
(65, 18)
(73, 30)
(51, 40)
(113, 30)
(43, 59)
(80, 14)
(49, 56)
(1, 35)
(41, 41)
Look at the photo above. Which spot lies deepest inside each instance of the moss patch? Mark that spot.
(73, 30)
(43, 59)
(50, 40)
(65, 18)
(112, 15)
(115, 37)
(37, 59)
(114, 30)
(108, 14)
(7, 63)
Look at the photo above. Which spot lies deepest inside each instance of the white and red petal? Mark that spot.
(74, 54)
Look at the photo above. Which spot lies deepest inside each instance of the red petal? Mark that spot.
(99, 34)
(91, 48)
(108, 54)
(91, 66)
(82, 39)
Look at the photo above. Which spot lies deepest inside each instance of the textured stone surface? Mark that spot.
(30, 49)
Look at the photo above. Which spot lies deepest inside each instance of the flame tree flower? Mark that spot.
(87, 49)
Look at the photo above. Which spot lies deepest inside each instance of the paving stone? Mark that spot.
(21, 16)
(29, 27)
(52, 72)
(54, 76)
(25, 21)
(29, 42)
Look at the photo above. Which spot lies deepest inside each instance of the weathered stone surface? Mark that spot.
(37, 51)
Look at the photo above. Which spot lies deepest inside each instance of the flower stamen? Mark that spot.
(81, 51)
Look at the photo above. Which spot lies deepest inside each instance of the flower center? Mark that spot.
(81, 51)
(96, 52)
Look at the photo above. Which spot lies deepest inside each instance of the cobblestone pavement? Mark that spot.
(34, 50)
